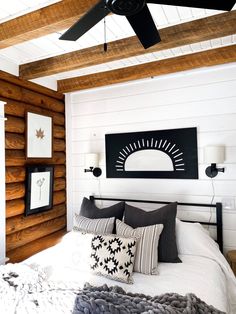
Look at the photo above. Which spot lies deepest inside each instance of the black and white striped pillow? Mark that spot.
(146, 258)
(101, 225)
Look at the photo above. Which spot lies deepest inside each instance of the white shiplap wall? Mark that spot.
(204, 98)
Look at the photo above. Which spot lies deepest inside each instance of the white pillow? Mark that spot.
(193, 239)
(75, 250)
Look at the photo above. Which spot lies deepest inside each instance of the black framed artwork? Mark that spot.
(39, 189)
(153, 154)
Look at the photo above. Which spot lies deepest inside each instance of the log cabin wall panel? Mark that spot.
(28, 235)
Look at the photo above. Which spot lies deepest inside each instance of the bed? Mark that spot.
(52, 277)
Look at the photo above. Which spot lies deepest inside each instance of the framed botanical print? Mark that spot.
(39, 136)
(39, 189)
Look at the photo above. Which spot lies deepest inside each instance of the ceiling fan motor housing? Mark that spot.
(125, 7)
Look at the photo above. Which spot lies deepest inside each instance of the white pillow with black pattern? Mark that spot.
(146, 259)
(101, 225)
(113, 257)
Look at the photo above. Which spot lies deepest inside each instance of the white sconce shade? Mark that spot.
(214, 154)
(91, 164)
(91, 160)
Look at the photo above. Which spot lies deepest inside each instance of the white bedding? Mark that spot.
(204, 270)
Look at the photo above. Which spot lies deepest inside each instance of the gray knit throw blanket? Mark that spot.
(114, 300)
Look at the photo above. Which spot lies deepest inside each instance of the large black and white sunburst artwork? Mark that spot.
(153, 154)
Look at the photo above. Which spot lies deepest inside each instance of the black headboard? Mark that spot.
(217, 207)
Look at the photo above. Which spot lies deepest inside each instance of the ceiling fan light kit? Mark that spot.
(138, 15)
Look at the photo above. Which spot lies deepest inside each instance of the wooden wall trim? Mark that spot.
(166, 66)
(171, 37)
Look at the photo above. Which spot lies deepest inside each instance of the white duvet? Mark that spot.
(203, 271)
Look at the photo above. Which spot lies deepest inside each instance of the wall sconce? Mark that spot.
(91, 164)
(214, 155)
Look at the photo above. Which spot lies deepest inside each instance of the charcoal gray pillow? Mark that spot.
(90, 210)
(166, 215)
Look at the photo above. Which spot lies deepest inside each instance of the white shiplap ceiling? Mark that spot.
(117, 28)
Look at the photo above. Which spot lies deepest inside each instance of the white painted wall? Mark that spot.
(204, 98)
(2, 185)
(9, 66)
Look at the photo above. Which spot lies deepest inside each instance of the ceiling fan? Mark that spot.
(138, 15)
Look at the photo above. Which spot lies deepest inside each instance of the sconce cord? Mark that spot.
(212, 200)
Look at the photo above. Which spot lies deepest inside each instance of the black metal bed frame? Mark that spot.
(217, 206)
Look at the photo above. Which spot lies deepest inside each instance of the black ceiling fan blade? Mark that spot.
(144, 27)
(224, 5)
(90, 19)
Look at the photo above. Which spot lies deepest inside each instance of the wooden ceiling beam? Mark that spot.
(173, 36)
(187, 62)
(50, 19)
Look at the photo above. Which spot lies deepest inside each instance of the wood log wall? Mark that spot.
(28, 235)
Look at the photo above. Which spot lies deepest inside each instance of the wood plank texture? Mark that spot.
(17, 158)
(42, 22)
(14, 141)
(18, 109)
(172, 37)
(23, 252)
(15, 92)
(15, 191)
(17, 174)
(29, 85)
(166, 66)
(14, 124)
(22, 96)
(21, 222)
(30, 234)
(15, 207)
(59, 197)
(59, 184)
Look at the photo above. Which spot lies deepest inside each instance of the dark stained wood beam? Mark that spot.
(53, 18)
(216, 26)
(166, 66)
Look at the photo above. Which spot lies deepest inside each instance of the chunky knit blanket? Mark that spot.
(24, 290)
(114, 300)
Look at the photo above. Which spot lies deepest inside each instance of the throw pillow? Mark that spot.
(113, 257)
(166, 215)
(103, 225)
(90, 210)
(146, 258)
